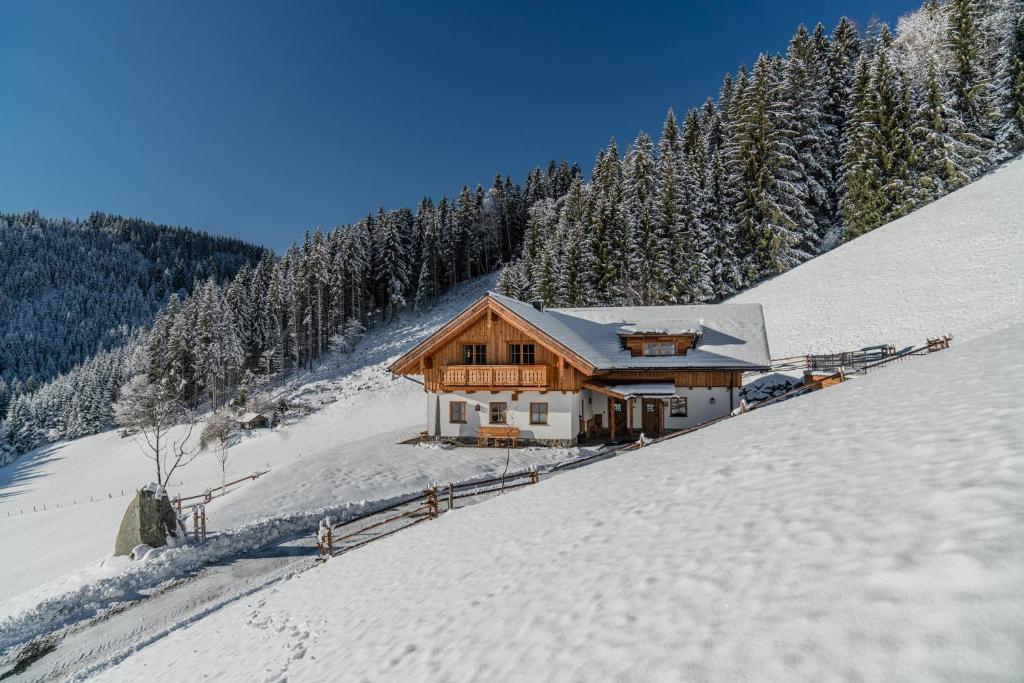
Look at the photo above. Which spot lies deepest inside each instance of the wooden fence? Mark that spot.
(427, 505)
(209, 494)
(860, 360)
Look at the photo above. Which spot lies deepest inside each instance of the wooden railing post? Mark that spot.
(451, 495)
(431, 494)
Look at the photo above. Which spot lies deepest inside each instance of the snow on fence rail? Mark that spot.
(209, 494)
(428, 508)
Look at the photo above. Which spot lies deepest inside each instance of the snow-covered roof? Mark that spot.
(249, 417)
(644, 389)
(732, 336)
(667, 328)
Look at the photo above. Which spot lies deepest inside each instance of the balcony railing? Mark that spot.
(495, 376)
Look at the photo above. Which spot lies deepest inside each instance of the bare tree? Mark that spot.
(153, 410)
(220, 431)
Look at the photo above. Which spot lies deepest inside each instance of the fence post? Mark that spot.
(431, 502)
(330, 541)
(451, 495)
(534, 475)
(195, 523)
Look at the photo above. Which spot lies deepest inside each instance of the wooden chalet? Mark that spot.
(507, 369)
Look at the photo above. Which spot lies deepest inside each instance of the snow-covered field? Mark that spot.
(954, 266)
(345, 451)
(871, 531)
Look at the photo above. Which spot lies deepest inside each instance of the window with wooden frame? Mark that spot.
(660, 348)
(457, 412)
(677, 406)
(521, 354)
(474, 354)
(499, 413)
(538, 413)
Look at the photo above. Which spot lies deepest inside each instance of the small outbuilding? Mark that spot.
(253, 421)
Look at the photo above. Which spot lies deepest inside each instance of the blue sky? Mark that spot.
(261, 119)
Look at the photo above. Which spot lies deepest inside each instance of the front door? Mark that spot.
(652, 411)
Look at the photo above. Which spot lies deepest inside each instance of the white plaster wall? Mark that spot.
(563, 413)
(699, 406)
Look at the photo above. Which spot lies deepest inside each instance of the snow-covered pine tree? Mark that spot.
(541, 250)
(803, 113)
(770, 215)
(892, 145)
(574, 286)
(643, 283)
(717, 215)
(1012, 94)
(668, 215)
(843, 55)
(860, 202)
(971, 83)
(393, 274)
(944, 158)
(513, 281)
(611, 229)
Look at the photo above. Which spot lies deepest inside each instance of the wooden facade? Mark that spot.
(635, 342)
(447, 371)
(680, 378)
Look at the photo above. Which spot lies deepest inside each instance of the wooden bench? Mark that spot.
(497, 433)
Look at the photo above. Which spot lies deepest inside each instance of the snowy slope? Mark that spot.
(953, 266)
(865, 532)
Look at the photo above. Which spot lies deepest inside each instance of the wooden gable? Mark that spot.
(489, 322)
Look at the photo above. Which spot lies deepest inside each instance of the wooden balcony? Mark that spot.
(495, 376)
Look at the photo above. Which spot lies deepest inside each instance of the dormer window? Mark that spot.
(660, 348)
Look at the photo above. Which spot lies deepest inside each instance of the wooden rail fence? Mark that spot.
(209, 494)
(327, 535)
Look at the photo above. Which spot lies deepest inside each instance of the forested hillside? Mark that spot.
(847, 131)
(71, 288)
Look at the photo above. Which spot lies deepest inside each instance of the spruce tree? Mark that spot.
(803, 112)
(1014, 96)
(574, 286)
(769, 213)
(643, 284)
(860, 202)
(945, 157)
(892, 145)
(669, 212)
(970, 82)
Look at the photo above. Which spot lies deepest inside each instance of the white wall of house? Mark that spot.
(563, 413)
(699, 407)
